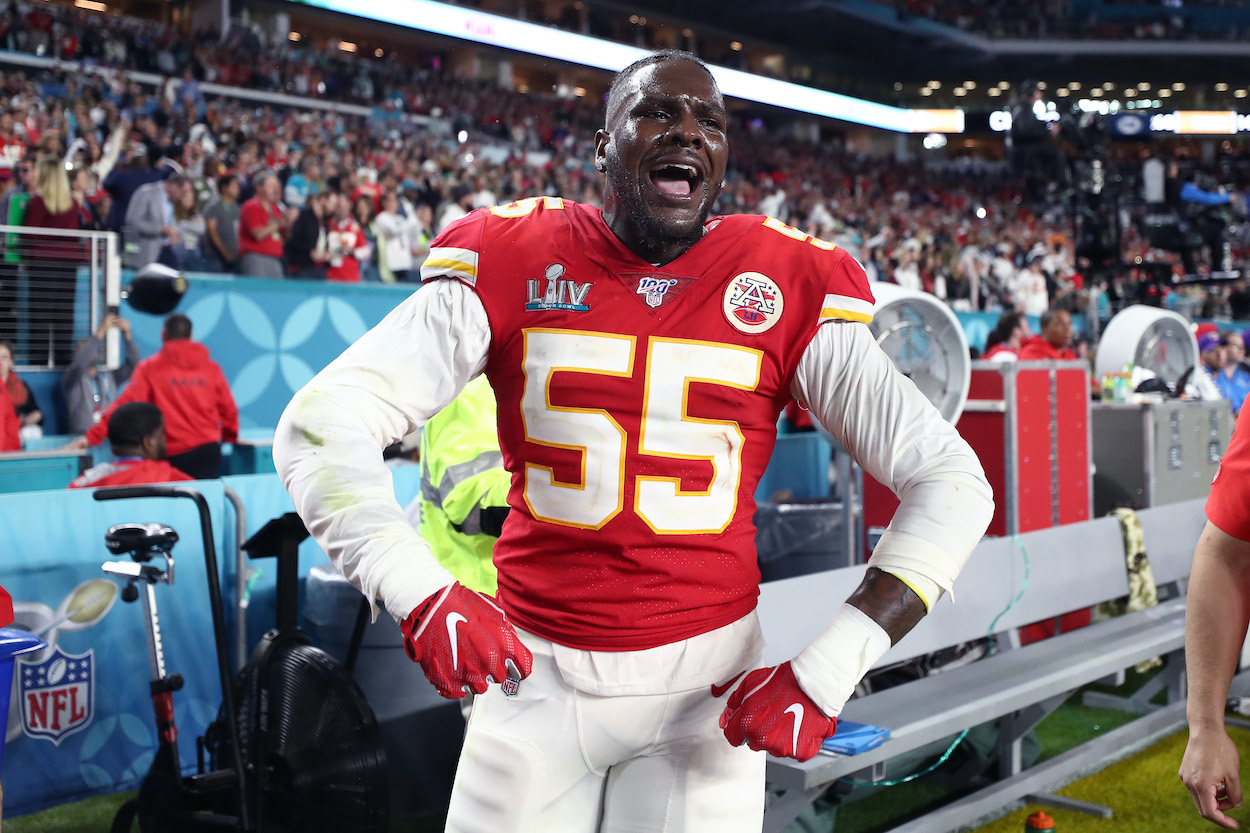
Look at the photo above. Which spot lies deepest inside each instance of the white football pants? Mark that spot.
(556, 759)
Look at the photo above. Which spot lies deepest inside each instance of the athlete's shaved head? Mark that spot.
(620, 84)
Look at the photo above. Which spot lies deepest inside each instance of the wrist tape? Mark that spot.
(833, 664)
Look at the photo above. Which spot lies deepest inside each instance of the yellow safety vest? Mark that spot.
(462, 473)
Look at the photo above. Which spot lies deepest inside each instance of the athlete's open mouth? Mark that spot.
(675, 179)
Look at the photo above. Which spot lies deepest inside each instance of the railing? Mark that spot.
(55, 287)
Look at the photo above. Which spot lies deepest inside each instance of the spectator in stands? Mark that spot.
(1199, 381)
(307, 245)
(263, 225)
(304, 184)
(81, 187)
(136, 433)
(189, 223)
(347, 243)
(18, 393)
(90, 389)
(459, 205)
(52, 264)
(220, 245)
(12, 148)
(1055, 340)
(421, 249)
(604, 554)
(396, 238)
(1009, 334)
(122, 182)
(363, 212)
(191, 392)
(1029, 288)
(13, 212)
(151, 233)
(1217, 612)
(1233, 379)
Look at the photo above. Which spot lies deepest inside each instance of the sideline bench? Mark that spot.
(1070, 567)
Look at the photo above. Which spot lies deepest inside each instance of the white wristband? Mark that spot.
(829, 669)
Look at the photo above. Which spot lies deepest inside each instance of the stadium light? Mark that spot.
(534, 39)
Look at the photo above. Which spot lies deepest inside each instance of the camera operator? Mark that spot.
(1032, 152)
(1202, 205)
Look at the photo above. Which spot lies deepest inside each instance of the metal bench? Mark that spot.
(1070, 567)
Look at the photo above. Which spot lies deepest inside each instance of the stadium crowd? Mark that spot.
(356, 197)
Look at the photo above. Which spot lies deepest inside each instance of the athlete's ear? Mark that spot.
(601, 150)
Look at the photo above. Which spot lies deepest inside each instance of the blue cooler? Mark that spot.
(12, 643)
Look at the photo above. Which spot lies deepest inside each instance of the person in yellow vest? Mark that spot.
(464, 487)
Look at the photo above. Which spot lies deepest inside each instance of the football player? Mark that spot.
(640, 356)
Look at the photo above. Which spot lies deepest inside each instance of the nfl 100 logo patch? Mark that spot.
(57, 694)
(653, 290)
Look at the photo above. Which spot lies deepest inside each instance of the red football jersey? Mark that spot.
(1228, 505)
(637, 409)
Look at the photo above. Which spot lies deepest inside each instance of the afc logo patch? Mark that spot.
(752, 303)
(57, 695)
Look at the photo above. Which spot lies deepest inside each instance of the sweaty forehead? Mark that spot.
(666, 80)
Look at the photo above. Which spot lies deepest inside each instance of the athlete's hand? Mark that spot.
(769, 712)
(1209, 770)
(464, 642)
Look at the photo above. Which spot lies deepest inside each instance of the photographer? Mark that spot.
(1032, 154)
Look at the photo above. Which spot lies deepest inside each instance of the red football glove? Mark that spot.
(464, 642)
(769, 712)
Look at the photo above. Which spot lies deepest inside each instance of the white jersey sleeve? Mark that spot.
(896, 435)
(327, 448)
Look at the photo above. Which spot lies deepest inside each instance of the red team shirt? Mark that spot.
(646, 411)
(1228, 505)
(128, 470)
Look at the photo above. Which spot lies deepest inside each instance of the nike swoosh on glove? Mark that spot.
(464, 642)
(770, 713)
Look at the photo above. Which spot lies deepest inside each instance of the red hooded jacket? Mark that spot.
(191, 392)
(127, 471)
(1038, 347)
(10, 426)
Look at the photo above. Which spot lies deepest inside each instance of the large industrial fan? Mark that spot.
(926, 343)
(1153, 339)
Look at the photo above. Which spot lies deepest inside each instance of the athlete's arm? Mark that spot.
(1215, 627)
(899, 438)
(327, 448)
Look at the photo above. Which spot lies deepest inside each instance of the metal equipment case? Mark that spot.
(1028, 422)
(1152, 453)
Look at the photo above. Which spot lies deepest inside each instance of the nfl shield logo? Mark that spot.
(57, 695)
